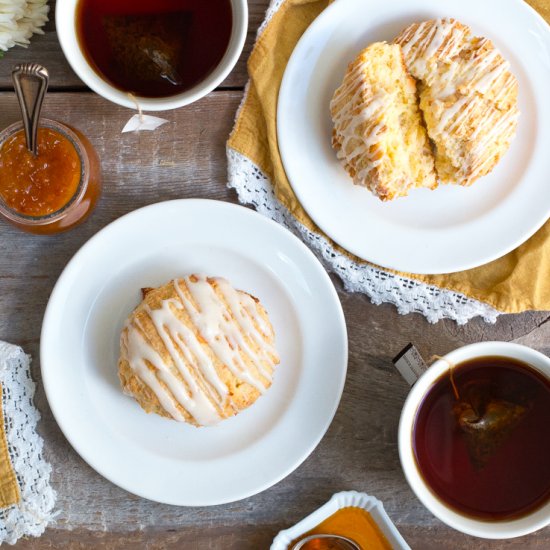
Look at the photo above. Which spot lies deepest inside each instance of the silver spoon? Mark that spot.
(343, 543)
(30, 81)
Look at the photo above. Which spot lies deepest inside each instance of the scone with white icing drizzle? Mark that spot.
(197, 350)
(468, 97)
(378, 132)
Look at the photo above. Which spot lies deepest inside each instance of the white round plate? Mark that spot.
(452, 228)
(158, 458)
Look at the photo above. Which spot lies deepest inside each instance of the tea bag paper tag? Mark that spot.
(143, 122)
(410, 364)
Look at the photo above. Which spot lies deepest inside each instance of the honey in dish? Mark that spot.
(54, 190)
(481, 438)
(356, 524)
(154, 49)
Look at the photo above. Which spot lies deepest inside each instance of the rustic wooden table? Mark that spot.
(186, 158)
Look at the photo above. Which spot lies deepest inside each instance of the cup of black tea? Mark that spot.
(161, 55)
(474, 443)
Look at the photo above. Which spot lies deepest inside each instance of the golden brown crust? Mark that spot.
(467, 94)
(240, 394)
(378, 134)
(145, 291)
(466, 100)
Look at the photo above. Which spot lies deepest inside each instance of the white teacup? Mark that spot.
(487, 529)
(65, 20)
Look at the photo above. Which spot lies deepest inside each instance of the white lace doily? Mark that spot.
(34, 511)
(254, 187)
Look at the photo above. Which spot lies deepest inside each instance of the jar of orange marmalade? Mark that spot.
(54, 190)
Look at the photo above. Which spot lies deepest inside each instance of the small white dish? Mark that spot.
(452, 228)
(158, 458)
(345, 499)
(65, 24)
(537, 519)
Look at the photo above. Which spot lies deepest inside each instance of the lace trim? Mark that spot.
(34, 511)
(409, 296)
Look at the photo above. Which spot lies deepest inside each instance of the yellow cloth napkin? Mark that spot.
(9, 488)
(516, 282)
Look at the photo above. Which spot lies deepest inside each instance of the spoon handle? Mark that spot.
(336, 541)
(31, 82)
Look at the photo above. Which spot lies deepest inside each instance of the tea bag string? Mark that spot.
(140, 121)
(451, 372)
(138, 106)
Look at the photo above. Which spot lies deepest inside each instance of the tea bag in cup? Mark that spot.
(485, 420)
(148, 47)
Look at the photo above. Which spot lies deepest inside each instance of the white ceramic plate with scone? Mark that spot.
(159, 458)
(452, 228)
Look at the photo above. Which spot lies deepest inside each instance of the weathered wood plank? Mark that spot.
(247, 537)
(45, 49)
(186, 158)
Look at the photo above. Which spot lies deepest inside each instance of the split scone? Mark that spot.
(197, 350)
(378, 132)
(468, 97)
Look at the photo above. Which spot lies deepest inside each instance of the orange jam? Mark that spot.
(43, 184)
(351, 522)
(54, 190)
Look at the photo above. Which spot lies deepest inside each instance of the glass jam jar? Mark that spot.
(53, 191)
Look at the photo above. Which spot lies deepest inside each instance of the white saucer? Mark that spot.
(446, 230)
(158, 458)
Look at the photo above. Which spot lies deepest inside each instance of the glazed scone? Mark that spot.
(428, 44)
(378, 133)
(197, 350)
(468, 97)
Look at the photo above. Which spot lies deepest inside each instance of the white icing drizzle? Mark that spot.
(421, 43)
(471, 91)
(223, 332)
(372, 114)
(354, 108)
(142, 353)
(231, 325)
(470, 94)
(358, 116)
